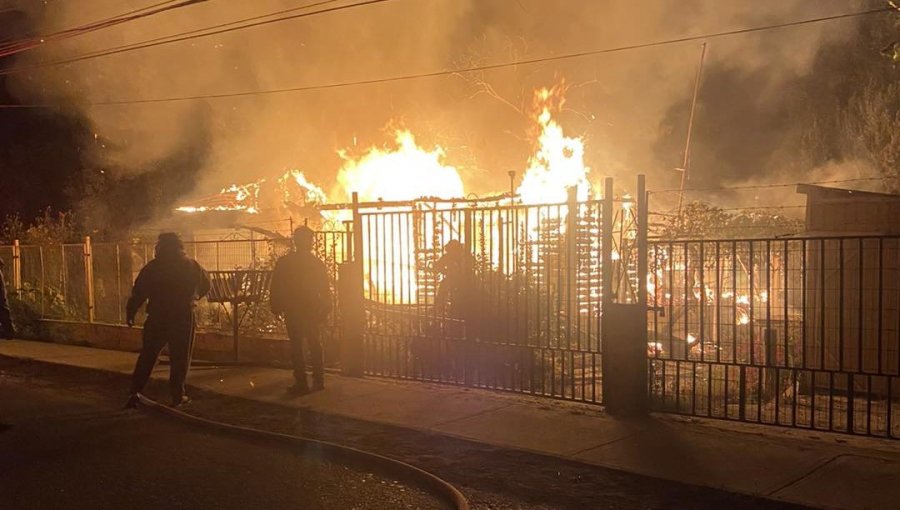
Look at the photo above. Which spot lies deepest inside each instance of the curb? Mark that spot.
(430, 483)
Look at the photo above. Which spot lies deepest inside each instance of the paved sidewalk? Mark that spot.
(808, 467)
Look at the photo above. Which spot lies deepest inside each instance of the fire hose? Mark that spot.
(430, 483)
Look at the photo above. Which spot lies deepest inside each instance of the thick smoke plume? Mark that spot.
(630, 107)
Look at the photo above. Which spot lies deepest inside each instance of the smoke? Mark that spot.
(631, 107)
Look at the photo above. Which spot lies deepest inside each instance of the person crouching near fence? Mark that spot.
(300, 293)
(170, 284)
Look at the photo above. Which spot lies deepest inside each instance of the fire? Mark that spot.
(558, 163)
(236, 197)
(407, 172)
(296, 188)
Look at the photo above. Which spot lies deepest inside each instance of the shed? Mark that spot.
(851, 286)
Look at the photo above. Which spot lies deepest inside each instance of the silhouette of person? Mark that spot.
(301, 293)
(457, 287)
(6, 325)
(171, 284)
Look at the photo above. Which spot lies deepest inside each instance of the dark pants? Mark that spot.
(178, 333)
(302, 331)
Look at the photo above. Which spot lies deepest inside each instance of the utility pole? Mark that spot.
(686, 163)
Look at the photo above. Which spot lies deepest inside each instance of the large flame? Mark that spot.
(406, 172)
(402, 173)
(558, 163)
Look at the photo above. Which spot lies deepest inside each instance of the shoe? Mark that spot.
(318, 385)
(132, 401)
(298, 390)
(182, 401)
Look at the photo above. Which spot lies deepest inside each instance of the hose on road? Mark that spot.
(434, 485)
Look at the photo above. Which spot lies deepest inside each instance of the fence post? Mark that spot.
(351, 304)
(624, 325)
(17, 268)
(606, 241)
(89, 277)
(571, 257)
(643, 217)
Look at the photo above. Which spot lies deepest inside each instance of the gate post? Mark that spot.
(89, 277)
(351, 304)
(17, 267)
(624, 325)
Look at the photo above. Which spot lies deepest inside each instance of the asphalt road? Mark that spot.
(492, 478)
(62, 448)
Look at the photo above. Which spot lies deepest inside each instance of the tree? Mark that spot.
(701, 220)
(871, 119)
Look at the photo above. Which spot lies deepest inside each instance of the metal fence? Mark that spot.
(91, 281)
(794, 332)
(495, 295)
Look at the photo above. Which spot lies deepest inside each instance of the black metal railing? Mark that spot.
(800, 332)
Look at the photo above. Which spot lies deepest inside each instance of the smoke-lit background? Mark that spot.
(770, 107)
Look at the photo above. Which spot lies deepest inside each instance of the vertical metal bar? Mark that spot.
(796, 397)
(752, 298)
(671, 304)
(830, 400)
(65, 272)
(88, 260)
(43, 282)
(118, 284)
(769, 343)
(687, 299)
(392, 260)
(880, 368)
(718, 303)
(571, 270)
(822, 295)
(17, 267)
(643, 226)
(702, 331)
(734, 297)
(785, 268)
(860, 313)
(840, 305)
(742, 393)
(803, 306)
(607, 241)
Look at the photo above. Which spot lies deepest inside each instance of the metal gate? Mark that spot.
(792, 332)
(494, 293)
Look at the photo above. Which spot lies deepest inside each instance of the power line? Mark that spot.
(431, 74)
(161, 40)
(12, 43)
(206, 33)
(20, 46)
(41, 38)
(766, 186)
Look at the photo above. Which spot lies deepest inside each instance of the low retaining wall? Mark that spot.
(208, 345)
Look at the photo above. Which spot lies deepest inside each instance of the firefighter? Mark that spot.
(6, 325)
(171, 284)
(301, 293)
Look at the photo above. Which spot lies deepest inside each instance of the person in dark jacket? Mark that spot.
(6, 325)
(300, 292)
(170, 284)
